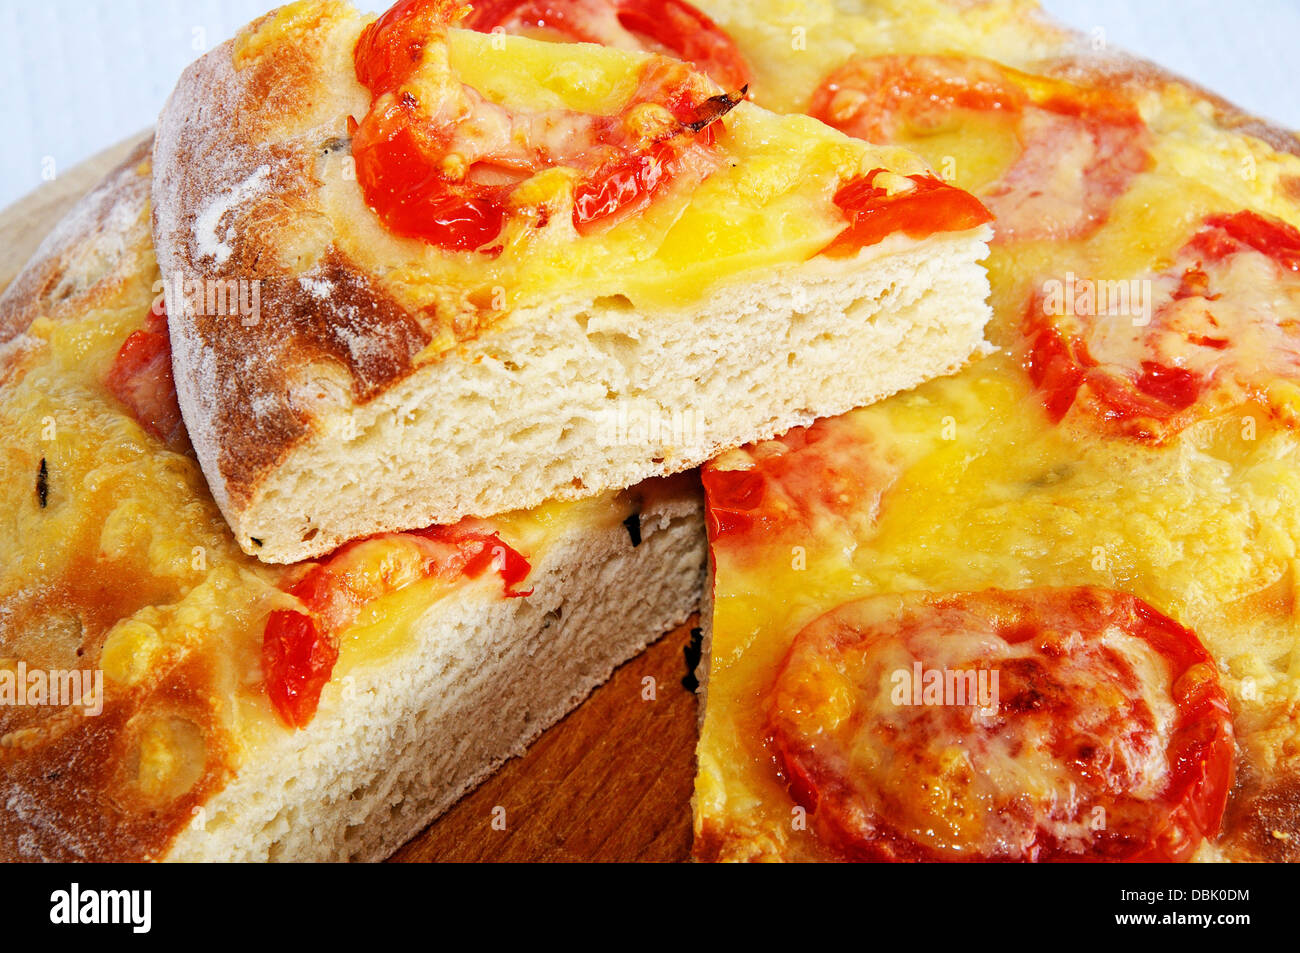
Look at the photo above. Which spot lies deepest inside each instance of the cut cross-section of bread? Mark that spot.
(476, 679)
(159, 730)
(504, 271)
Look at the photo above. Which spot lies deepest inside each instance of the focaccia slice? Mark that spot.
(491, 271)
(1099, 513)
(223, 709)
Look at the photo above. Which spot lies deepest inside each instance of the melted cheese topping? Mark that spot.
(987, 492)
(766, 200)
(992, 495)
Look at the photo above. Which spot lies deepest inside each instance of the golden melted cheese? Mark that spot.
(764, 202)
(984, 491)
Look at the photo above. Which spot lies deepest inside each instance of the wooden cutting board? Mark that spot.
(611, 782)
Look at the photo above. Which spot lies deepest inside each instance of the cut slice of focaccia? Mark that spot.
(166, 696)
(418, 273)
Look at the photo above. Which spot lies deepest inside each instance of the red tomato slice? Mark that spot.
(796, 483)
(1218, 331)
(1224, 235)
(141, 378)
(300, 649)
(668, 26)
(401, 181)
(877, 98)
(403, 145)
(931, 206)
(296, 663)
(1035, 725)
(1079, 148)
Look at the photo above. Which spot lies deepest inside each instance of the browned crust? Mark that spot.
(711, 838)
(247, 391)
(69, 781)
(1077, 59)
(69, 784)
(1262, 821)
(97, 250)
(1080, 63)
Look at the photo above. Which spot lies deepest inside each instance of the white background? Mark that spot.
(77, 76)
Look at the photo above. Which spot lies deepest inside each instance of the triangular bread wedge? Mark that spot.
(658, 272)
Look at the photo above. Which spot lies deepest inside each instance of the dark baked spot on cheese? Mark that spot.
(42, 484)
(61, 622)
(1289, 185)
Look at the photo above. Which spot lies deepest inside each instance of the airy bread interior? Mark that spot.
(388, 753)
(588, 395)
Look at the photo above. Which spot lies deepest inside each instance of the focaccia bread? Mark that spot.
(1101, 514)
(321, 711)
(491, 271)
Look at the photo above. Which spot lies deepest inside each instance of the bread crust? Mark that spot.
(1076, 57)
(216, 134)
(65, 777)
(92, 255)
(187, 693)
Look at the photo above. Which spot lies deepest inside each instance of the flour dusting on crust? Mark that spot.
(210, 241)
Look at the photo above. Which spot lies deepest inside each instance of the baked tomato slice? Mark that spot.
(1145, 358)
(805, 482)
(301, 647)
(439, 162)
(659, 26)
(141, 378)
(1073, 724)
(915, 205)
(1067, 153)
